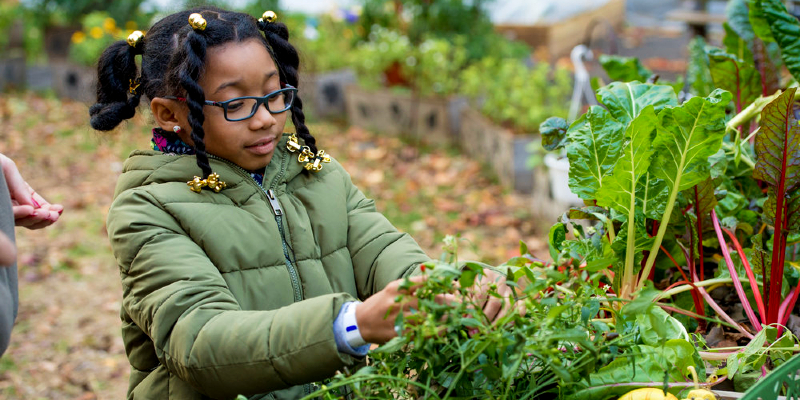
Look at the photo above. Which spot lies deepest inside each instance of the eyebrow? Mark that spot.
(267, 76)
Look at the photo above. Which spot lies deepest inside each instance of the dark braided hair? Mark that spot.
(285, 55)
(173, 62)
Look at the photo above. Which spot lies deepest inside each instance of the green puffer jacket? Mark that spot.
(224, 294)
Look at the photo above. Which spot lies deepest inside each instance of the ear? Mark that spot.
(170, 113)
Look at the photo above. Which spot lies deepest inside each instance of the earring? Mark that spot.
(176, 129)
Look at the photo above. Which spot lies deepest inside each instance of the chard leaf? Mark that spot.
(698, 74)
(652, 194)
(595, 144)
(767, 57)
(735, 45)
(703, 197)
(735, 76)
(624, 69)
(793, 225)
(687, 136)
(554, 133)
(641, 242)
(778, 145)
(618, 190)
(761, 258)
(784, 28)
(738, 16)
(656, 327)
(758, 21)
(626, 100)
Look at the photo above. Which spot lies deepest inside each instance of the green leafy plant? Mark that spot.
(517, 96)
(98, 31)
(561, 346)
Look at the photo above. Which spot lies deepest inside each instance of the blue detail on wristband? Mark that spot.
(351, 328)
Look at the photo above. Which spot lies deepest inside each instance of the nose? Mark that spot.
(262, 119)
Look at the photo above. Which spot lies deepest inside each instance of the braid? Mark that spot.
(288, 60)
(195, 49)
(116, 68)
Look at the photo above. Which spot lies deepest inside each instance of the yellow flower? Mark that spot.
(96, 32)
(109, 24)
(130, 26)
(78, 37)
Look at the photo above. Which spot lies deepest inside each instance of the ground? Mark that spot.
(67, 343)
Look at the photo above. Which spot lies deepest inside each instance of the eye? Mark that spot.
(235, 105)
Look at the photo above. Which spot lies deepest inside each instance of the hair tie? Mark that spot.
(133, 88)
(268, 17)
(135, 40)
(197, 22)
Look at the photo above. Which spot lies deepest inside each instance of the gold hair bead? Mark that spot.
(292, 144)
(212, 182)
(197, 184)
(269, 17)
(197, 22)
(135, 38)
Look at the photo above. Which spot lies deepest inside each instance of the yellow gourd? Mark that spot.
(647, 394)
(697, 393)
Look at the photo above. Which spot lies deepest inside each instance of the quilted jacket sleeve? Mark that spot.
(380, 253)
(176, 295)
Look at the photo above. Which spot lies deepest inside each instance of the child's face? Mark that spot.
(236, 70)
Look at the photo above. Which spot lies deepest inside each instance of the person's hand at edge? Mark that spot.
(31, 210)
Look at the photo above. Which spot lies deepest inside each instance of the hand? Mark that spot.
(494, 308)
(377, 314)
(31, 210)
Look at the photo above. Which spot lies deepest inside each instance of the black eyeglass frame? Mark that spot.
(259, 101)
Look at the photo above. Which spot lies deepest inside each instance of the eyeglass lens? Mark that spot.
(246, 107)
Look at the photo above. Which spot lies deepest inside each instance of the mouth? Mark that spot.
(262, 147)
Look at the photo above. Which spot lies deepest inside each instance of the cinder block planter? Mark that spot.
(384, 111)
(12, 73)
(506, 152)
(323, 93)
(73, 81)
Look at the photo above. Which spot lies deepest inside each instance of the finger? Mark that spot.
(38, 199)
(447, 299)
(22, 211)
(40, 225)
(522, 309)
(34, 218)
(17, 187)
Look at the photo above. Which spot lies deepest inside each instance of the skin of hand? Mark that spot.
(494, 308)
(8, 252)
(376, 315)
(31, 210)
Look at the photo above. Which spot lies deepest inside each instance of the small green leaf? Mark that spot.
(392, 345)
(624, 69)
(554, 133)
(558, 233)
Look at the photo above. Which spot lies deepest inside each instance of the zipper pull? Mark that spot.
(273, 201)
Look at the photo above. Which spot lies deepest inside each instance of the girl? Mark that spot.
(244, 279)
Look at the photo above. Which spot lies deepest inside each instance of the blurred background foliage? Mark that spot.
(430, 48)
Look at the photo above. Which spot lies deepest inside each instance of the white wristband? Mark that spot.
(351, 333)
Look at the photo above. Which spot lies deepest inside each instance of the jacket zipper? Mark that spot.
(278, 211)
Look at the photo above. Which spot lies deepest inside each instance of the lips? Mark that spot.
(262, 147)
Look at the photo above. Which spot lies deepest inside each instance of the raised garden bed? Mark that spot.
(391, 113)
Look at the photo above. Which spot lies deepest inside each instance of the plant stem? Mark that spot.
(722, 313)
(748, 309)
(708, 282)
(749, 271)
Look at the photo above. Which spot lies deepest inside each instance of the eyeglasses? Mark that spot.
(242, 108)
